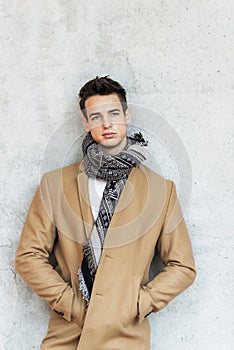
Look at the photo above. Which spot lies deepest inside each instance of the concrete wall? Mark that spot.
(174, 57)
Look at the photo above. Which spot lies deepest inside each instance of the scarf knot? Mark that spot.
(108, 167)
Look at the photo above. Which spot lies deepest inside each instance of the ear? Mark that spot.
(85, 123)
(128, 115)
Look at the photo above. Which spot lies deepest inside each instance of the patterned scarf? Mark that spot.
(115, 170)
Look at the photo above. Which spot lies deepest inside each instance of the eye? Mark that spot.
(115, 114)
(95, 117)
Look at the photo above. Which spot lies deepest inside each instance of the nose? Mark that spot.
(106, 121)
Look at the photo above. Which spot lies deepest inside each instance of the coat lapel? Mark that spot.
(139, 208)
(83, 193)
(129, 207)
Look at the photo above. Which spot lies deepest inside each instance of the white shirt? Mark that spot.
(96, 188)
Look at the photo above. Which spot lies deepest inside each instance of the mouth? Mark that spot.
(109, 135)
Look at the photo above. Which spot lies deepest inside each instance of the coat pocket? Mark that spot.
(133, 300)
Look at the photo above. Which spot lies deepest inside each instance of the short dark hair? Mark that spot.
(101, 86)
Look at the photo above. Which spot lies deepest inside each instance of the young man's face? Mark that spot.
(107, 122)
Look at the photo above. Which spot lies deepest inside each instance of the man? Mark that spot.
(91, 232)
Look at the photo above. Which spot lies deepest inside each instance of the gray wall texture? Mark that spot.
(174, 57)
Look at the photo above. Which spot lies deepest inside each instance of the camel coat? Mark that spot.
(147, 217)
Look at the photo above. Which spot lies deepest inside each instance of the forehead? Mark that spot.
(102, 103)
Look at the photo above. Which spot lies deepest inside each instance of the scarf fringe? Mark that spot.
(88, 253)
(83, 288)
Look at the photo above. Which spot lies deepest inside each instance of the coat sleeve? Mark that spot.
(174, 248)
(32, 256)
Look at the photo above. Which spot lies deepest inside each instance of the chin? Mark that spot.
(111, 143)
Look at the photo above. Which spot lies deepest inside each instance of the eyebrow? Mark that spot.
(95, 113)
(110, 111)
(114, 110)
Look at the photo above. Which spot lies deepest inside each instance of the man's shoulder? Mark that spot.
(67, 171)
(155, 176)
